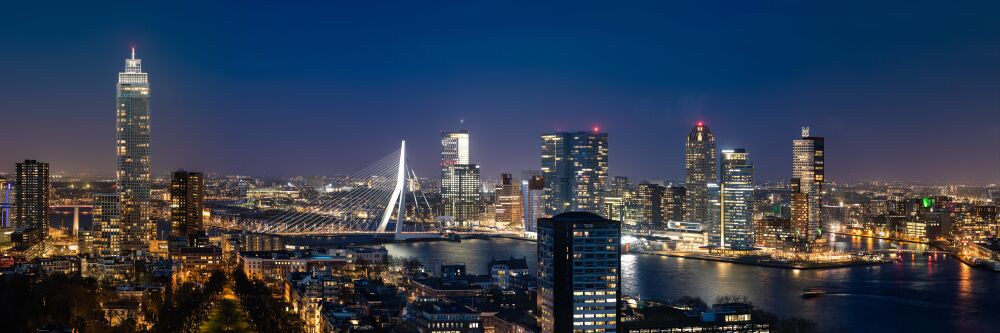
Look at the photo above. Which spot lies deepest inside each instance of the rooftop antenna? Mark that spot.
(133, 53)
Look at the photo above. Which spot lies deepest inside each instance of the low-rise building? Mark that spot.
(444, 316)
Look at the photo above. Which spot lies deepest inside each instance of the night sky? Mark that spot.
(906, 90)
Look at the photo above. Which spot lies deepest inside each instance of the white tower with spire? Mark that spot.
(132, 124)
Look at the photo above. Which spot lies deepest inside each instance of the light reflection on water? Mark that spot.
(918, 294)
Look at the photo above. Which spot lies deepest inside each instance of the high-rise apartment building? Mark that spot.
(107, 224)
(460, 192)
(807, 166)
(31, 205)
(799, 209)
(133, 166)
(737, 200)
(579, 270)
(673, 203)
(575, 168)
(651, 198)
(699, 170)
(533, 194)
(187, 200)
(508, 203)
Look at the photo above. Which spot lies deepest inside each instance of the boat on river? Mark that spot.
(813, 292)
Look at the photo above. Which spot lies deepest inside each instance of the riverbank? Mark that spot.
(886, 238)
(772, 264)
(940, 245)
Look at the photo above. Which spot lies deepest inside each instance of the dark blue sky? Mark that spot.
(901, 89)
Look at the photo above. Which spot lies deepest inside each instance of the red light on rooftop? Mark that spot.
(701, 123)
(597, 129)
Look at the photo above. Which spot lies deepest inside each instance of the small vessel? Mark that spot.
(813, 292)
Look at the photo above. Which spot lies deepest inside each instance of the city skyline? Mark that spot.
(652, 166)
(757, 103)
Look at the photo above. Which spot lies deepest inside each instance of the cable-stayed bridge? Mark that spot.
(382, 198)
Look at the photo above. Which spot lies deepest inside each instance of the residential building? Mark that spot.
(187, 195)
(579, 270)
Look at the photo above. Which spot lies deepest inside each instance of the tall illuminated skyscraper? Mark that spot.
(575, 168)
(737, 200)
(460, 180)
(454, 149)
(132, 125)
(807, 166)
(699, 170)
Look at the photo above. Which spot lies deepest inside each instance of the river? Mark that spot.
(919, 294)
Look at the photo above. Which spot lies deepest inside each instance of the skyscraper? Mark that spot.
(459, 179)
(454, 150)
(132, 124)
(187, 195)
(460, 192)
(700, 169)
(31, 206)
(807, 166)
(533, 192)
(575, 168)
(579, 269)
(737, 200)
